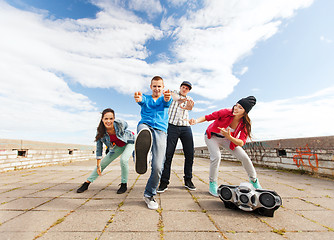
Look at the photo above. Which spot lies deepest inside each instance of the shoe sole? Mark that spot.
(213, 194)
(191, 189)
(162, 191)
(143, 146)
(121, 192)
(152, 208)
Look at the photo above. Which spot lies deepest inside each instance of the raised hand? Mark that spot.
(167, 95)
(189, 105)
(138, 96)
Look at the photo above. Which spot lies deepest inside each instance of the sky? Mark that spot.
(62, 62)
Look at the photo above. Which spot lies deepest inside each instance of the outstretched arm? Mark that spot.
(198, 120)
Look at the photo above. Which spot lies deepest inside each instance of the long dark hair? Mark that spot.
(248, 124)
(101, 129)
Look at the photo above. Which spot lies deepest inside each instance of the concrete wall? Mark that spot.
(20, 154)
(312, 155)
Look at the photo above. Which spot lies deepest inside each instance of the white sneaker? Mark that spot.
(151, 203)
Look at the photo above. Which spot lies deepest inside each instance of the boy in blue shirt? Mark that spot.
(152, 136)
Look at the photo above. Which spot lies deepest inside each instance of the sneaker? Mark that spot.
(143, 146)
(151, 203)
(162, 187)
(189, 184)
(83, 187)
(122, 189)
(255, 184)
(213, 189)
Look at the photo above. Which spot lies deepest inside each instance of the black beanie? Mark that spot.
(247, 103)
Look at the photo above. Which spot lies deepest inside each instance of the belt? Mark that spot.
(217, 135)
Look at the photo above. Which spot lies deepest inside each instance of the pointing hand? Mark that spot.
(167, 95)
(138, 96)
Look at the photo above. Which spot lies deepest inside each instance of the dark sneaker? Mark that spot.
(83, 187)
(122, 189)
(189, 184)
(162, 187)
(143, 146)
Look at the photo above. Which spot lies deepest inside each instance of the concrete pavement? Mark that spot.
(42, 203)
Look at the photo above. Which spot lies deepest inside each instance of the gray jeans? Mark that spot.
(213, 145)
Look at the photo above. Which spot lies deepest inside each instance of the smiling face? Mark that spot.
(238, 110)
(157, 87)
(184, 90)
(108, 120)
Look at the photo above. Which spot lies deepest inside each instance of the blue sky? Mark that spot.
(62, 62)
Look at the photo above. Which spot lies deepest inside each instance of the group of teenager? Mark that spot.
(164, 120)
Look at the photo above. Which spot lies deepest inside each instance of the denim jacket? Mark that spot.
(122, 133)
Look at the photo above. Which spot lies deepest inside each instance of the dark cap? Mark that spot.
(247, 103)
(187, 84)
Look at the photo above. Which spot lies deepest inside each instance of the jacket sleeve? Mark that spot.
(216, 115)
(143, 100)
(99, 147)
(167, 104)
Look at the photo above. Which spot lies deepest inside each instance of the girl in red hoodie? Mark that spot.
(230, 130)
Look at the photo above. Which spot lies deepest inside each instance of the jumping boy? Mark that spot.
(152, 136)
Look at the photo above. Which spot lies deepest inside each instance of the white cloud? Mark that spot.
(211, 40)
(325, 39)
(243, 71)
(255, 90)
(205, 102)
(150, 7)
(297, 117)
(197, 110)
(40, 55)
(305, 116)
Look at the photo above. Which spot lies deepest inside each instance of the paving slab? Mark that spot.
(187, 221)
(238, 221)
(42, 203)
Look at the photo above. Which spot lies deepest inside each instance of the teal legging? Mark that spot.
(126, 152)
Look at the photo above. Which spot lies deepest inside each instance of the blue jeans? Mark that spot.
(159, 142)
(186, 137)
(114, 153)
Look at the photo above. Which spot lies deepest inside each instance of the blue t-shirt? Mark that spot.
(154, 113)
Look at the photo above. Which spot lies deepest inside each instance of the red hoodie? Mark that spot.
(223, 119)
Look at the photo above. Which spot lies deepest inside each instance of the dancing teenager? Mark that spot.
(152, 136)
(119, 141)
(230, 130)
(179, 128)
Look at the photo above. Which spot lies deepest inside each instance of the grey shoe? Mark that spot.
(151, 203)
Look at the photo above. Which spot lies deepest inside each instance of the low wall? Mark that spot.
(312, 155)
(20, 154)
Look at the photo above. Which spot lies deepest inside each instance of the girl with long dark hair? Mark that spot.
(119, 142)
(230, 130)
